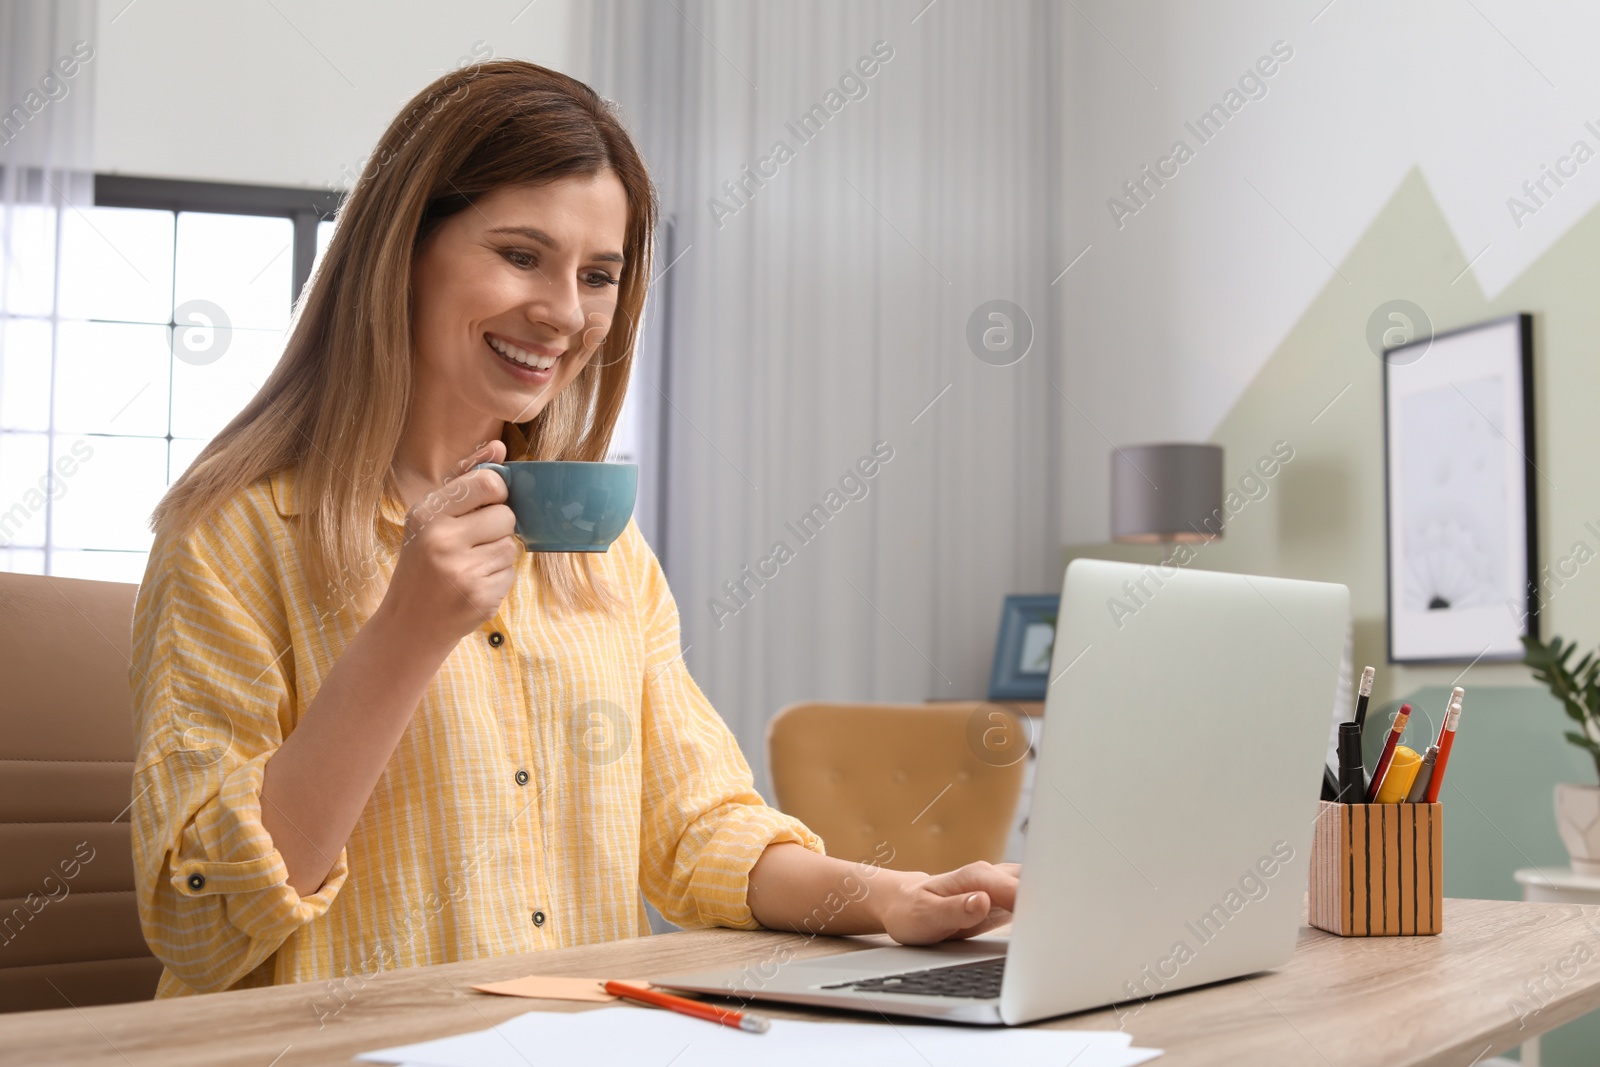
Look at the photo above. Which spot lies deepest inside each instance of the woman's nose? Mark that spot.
(560, 308)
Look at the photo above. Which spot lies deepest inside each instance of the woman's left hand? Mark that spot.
(920, 909)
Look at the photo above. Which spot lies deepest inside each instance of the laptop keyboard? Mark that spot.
(980, 980)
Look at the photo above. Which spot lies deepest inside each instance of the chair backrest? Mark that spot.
(69, 924)
(924, 787)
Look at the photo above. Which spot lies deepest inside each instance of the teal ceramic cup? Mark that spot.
(568, 505)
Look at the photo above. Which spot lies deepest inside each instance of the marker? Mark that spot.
(1402, 772)
(1447, 738)
(1419, 785)
(1399, 727)
(1363, 695)
(1352, 775)
(755, 1024)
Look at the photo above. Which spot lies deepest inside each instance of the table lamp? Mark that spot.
(1166, 494)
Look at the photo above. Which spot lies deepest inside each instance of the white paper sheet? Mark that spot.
(650, 1037)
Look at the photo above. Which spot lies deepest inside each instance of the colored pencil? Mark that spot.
(1447, 739)
(1399, 727)
(739, 1020)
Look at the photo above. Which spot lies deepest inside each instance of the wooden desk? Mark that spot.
(1393, 1001)
(1558, 885)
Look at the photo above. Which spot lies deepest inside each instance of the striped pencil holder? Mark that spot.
(1378, 869)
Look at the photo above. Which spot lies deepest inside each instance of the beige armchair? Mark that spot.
(924, 787)
(69, 926)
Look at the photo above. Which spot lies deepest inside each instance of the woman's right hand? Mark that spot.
(459, 555)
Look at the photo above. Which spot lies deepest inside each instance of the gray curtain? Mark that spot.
(846, 184)
(47, 70)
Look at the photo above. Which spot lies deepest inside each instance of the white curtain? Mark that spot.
(46, 170)
(816, 308)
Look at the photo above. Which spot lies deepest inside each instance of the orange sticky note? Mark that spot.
(545, 987)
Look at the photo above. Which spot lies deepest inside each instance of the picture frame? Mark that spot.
(1023, 647)
(1460, 494)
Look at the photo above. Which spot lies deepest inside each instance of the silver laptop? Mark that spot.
(1170, 829)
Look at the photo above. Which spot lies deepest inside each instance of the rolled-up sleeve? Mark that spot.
(211, 689)
(704, 824)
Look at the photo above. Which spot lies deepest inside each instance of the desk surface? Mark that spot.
(1448, 999)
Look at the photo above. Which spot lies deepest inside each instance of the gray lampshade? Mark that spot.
(1166, 493)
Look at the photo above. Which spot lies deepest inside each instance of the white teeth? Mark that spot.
(521, 355)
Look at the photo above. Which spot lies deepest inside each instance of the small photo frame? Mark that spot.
(1022, 651)
(1460, 494)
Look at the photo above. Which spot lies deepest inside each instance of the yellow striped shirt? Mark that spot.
(559, 764)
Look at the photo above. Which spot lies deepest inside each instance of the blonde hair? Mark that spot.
(336, 403)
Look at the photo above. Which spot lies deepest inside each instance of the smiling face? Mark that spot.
(511, 296)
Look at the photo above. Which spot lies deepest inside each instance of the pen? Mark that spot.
(1352, 776)
(754, 1024)
(1419, 785)
(1384, 760)
(1447, 738)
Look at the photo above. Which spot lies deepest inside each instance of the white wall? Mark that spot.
(288, 92)
(1165, 319)
(828, 312)
(1171, 316)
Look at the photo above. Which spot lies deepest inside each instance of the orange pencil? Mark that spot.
(1384, 760)
(739, 1020)
(1447, 738)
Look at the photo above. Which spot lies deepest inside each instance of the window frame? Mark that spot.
(303, 207)
(306, 208)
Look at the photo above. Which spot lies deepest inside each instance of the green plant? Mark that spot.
(1578, 688)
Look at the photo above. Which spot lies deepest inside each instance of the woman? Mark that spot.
(373, 730)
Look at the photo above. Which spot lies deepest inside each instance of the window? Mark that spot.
(131, 332)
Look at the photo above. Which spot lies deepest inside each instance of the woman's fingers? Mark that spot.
(472, 491)
(457, 561)
(936, 917)
(960, 903)
(997, 881)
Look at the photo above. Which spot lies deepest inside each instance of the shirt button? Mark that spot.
(197, 882)
(538, 918)
(522, 777)
(497, 639)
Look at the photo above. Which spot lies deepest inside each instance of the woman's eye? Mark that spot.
(518, 258)
(599, 278)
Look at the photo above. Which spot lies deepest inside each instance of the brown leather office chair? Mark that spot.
(69, 927)
(913, 787)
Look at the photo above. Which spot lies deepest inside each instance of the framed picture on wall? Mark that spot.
(1021, 668)
(1460, 477)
